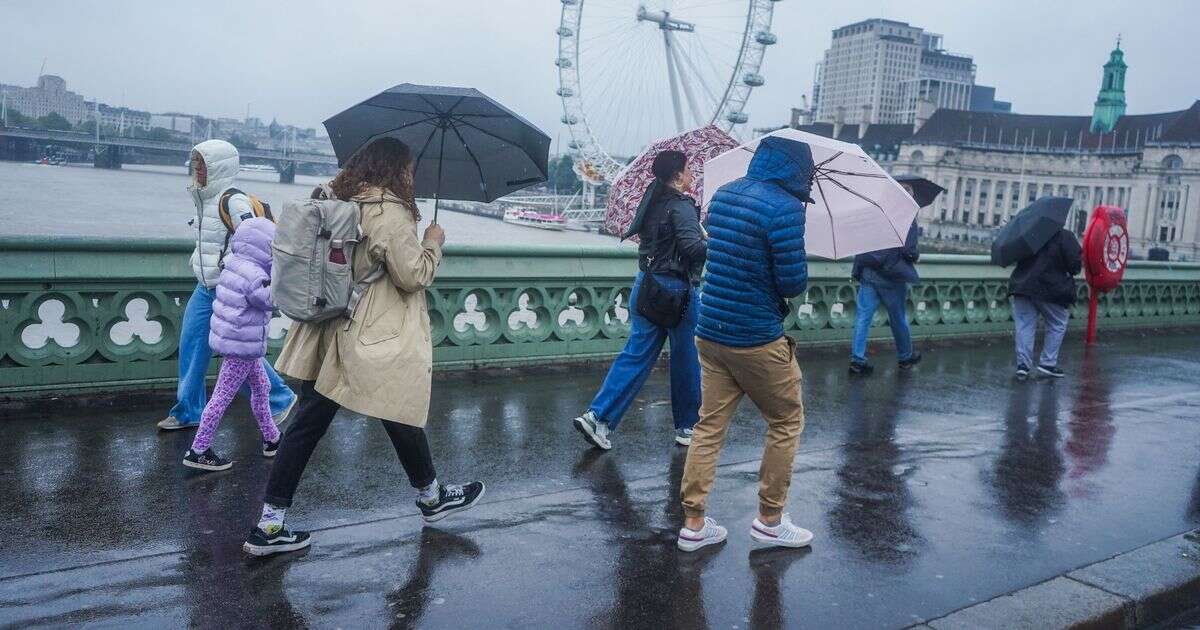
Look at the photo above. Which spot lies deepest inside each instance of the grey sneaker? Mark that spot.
(683, 437)
(282, 416)
(171, 423)
(593, 430)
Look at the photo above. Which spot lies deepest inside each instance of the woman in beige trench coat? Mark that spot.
(381, 363)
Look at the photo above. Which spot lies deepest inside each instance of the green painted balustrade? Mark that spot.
(80, 314)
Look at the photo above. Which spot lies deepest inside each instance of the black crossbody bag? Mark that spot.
(662, 306)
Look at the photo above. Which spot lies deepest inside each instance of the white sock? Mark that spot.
(272, 518)
(429, 494)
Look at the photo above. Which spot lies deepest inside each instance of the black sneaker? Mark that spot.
(861, 368)
(269, 448)
(1051, 370)
(260, 543)
(451, 499)
(1022, 371)
(208, 460)
(911, 361)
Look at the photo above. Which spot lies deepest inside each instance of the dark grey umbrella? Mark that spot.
(465, 145)
(1032, 228)
(924, 191)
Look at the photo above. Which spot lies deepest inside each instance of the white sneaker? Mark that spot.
(785, 534)
(282, 416)
(593, 430)
(710, 534)
(683, 437)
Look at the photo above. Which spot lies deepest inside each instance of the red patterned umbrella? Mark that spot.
(626, 191)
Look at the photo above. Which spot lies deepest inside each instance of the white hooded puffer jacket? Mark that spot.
(221, 158)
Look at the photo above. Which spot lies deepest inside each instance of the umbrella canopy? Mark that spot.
(625, 194)
(857, 206)
(924, 191)
(465, 145)
(1032, 228)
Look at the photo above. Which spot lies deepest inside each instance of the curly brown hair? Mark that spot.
(386, 163)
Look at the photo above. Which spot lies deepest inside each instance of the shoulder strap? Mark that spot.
(359, 289)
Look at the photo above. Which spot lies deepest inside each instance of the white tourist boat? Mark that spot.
(532, 218)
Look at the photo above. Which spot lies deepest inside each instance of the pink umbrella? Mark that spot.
(626, 191)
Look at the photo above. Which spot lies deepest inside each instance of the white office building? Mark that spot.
(880, 71)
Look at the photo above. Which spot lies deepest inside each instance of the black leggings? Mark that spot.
(313, 414)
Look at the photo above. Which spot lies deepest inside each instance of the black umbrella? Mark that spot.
(1032, 228)
(924, 191)
(465, 145)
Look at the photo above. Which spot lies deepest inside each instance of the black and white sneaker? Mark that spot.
(1022, 371)
(269, 448)
(260, 543)
(451, 499)
(1051, 371)
(861, 368)
(911, 361)
(208, 460)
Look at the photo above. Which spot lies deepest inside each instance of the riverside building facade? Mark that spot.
(992, 164)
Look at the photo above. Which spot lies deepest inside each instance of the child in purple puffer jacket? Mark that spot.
(238, 333)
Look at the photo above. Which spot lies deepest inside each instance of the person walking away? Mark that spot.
(756, 261)
(1043, 285)
(378, 362)
(238, 332)
(214, 165)
(671, 254)
(883, 278)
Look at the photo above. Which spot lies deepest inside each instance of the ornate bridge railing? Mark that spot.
(85, 314)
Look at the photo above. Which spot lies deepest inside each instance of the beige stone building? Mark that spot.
(994, 164)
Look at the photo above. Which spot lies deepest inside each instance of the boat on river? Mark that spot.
(517, 215)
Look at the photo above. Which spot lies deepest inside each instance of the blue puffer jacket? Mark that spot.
(756, 254)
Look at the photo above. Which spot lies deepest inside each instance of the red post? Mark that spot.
(1093, 306)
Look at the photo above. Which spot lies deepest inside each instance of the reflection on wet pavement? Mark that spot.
(926, 491)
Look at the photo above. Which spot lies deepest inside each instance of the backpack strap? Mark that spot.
(359, 289)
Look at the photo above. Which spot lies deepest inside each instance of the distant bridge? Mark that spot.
(108, 149)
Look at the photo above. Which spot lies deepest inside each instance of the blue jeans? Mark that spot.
(892, 296)
(195, 355)
(628, 373)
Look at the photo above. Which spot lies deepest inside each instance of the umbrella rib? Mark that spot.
(868, 200)
(827, 171)
(482, 179)
(397, 109)
(421, 155)
(488, 133)
(436, 110)
(828, 160)
(832, 232)
(404, 126)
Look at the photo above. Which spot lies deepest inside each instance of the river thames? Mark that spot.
(151, 202)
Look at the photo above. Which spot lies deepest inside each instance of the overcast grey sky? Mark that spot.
(304, 60)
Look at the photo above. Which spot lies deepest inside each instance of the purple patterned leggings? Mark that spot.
(234, 372)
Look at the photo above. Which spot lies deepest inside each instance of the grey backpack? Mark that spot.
(311, 275)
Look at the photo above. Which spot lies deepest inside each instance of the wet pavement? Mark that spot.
(927, 492)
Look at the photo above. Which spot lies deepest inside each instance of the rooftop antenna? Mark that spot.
(41, 70)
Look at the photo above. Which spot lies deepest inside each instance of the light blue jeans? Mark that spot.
(628, 373)
(195, 355)
(1025, 319)
(892, 296)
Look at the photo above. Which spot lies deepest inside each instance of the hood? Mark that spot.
(787, 162)
(252, 239)
(221, 158)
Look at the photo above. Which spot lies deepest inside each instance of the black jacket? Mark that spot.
(668, 226)
(1049, 275)
(889, 265)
